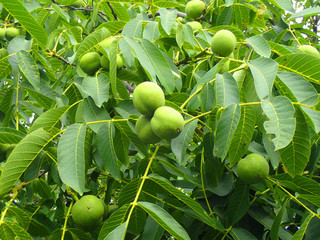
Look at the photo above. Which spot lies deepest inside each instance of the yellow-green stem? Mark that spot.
(66, 221)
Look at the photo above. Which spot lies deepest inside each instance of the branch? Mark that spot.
(88, 9)
(129, 88)
(113, 12)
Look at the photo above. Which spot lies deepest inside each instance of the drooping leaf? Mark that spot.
(313, 116)
(165, 220)
(105, 145)
(264, 72)
(242, 135)
(281, 122)
(71, 157)
(21, 157)
(97, 87)
(225, 130)
(274, 231)
(305, 13)
(227, 91)
(160, 65)
(179, 144)
(18, 11)
(239, 203)
(167, 19)
(260, 45)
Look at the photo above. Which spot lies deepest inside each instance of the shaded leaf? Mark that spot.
(259, 45)
(165, 220)
(21, 157)
(227, 91)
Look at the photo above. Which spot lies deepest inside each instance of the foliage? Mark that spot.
(64, 134)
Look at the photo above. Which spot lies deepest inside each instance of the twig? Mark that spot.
(88, 9)
(113, 12)
(129, 88)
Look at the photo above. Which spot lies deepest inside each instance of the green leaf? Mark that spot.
(242, 135)
(303, 64)
(274, 231)
(10, 136)
(137, 221)
(133, 29)
(120, 11)
(42, 188)
(239, 203)
(207, 97)
(281, 122)
(71, 157)
(227, 91)
(19, 215)
(180, 144)
(299, 235)
(97, 87)
(29, 69)
(241, 234)
(284, 4)
(259, 45)
(165, 220)
(225, 130)
(105, 145)
(315, 200)
(167, 19)
(18, 11)
(152, 230)
(195, 206)
(113, 67)
(116, 219)
(118, 233)
(92, 41)
(125, 129)
(91, 113)
(313, 117)
(264, 72)
(21, 157)
(79, 234)
(307, 12)
(12, 231)
(113, 26)
(160, 65)
(151, 32)
(302, 90)
(296, 155)
(129, 192)
(140, 54)
(49, 119)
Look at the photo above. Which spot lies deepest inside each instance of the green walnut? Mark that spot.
(195, 8)
(144, 130)
(147, 97)
(105, 63)
(2, 33)
(167, 123)
(88, 212)
(106, 43)
(11, 33)
(90, 63)
(223, 43)
(309, 50)
(195, 25)
(252, 169)
(77, 4)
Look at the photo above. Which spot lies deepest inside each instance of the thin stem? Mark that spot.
(66, 221)
(195, 117)
(144, 177)
(17, 104)
(202, 183)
